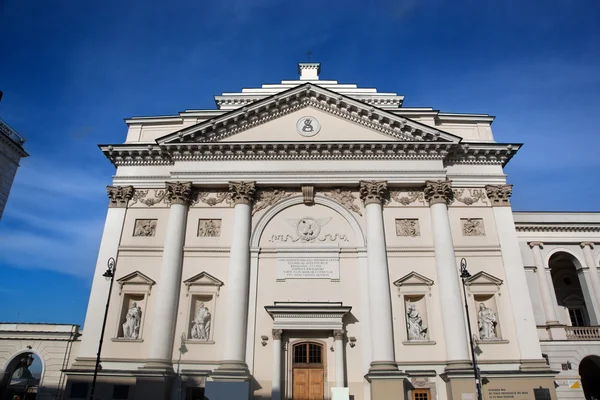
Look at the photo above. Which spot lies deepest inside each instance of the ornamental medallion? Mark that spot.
(308, 126)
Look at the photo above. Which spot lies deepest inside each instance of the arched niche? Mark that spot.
(333, 220)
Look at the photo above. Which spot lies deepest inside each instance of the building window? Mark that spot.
(420, 394)
(577, 317)
(308, 353)
(120, 392)
(79, 390)
(195, 394)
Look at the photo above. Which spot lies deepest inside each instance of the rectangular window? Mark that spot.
(420, 394)
(195, 394)
(79, 390)
(120, 392)
(576, 315)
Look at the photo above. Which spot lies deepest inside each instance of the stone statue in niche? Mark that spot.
(486, 319)
(201, 324)
(209, 228)
(473, 227)
(145, 227)
(414, 323)
(131, 326)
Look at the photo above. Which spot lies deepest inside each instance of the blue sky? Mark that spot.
(72, 70)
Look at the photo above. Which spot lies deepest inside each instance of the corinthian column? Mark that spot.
(380, 305)
(514, 271)
(169, 283)
(439, 194)
(594, 280)
(119, 197)
(548, 297)
(237, 286)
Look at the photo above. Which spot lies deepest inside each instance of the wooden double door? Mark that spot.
(308, 377)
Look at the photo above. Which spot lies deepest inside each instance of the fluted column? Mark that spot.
(593, 277)
(514, 271)
(439, 194)
(338, 347)
(276, 380)
(545, 291)
(380, 305)
(237, 286)
(169, 283)
(119, 197)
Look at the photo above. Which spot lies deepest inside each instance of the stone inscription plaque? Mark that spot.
(318, 267)
(502, 393)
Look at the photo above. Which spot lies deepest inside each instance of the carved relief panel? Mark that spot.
(209, 227)
(408, 227)
(145, 227)
(472, 226)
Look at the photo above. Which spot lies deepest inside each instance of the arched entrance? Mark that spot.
(21, 377)
(308, 376)
(567, 286)
(589, 370)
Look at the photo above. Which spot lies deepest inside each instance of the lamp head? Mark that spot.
(464, 274)
(110, 271)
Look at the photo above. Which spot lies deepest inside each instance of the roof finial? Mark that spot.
(308, 53)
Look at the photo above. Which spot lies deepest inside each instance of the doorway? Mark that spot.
(589, 370)
(308, 376)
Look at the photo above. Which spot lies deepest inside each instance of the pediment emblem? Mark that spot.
(308, 126)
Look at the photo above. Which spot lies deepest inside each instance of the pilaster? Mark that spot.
(338, 342)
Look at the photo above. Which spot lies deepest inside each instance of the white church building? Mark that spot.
(304, 240)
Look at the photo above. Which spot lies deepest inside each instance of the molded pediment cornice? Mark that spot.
(261, 111)
(483, 278)
(413, 279)
(136, 278)
(203, 279)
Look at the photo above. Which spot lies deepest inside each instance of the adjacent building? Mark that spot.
(304, 240)
(11, 152)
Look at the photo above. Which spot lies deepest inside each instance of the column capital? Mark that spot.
(119, 196)
(338, 334)
(277, 333)
(499, 195)
(536, 244)
(373, 192)
(584, 244)
(179, 192)
(438, 192)
(242, 192)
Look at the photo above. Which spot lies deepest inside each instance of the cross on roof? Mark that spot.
(308, 53)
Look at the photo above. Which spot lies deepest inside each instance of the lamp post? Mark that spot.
(109, 275)
(464, 275)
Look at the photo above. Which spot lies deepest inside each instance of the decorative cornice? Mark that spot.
(499, 195)
(557, 228)
(483, 153)
(242, 192)
(283, 103)
(119, 196)
(179, 192)
(438, 192)
(373, 192)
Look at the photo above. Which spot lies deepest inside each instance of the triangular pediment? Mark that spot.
(135, 278)
(340, 118)
(413, 279)
(203, 279)
(483, 278)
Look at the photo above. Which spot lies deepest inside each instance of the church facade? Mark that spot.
(305, 241)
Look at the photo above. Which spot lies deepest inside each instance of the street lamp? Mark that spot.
(464, 275)
(109, 275)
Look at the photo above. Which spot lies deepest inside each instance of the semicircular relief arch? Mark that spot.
(291, 222)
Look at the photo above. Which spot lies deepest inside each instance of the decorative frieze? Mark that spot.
(119, 196)
(499, 195)
(144, 227)
(242, 192)
(207, 197)
(209, 228)
(438, 192)
(472, 227)
(407, 196)
(469, 196)
(346, 198)
(267, 197)
(373, 192)
(179, 192)
(408, 227)
(141, 197)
